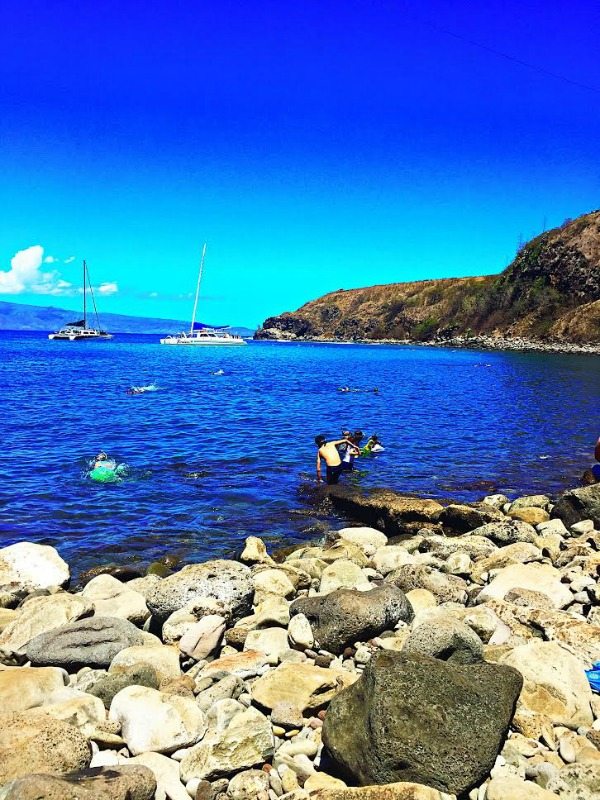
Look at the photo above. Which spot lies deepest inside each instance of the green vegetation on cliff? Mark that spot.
(550, 292)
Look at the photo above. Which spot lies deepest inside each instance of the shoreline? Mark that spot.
(253, 678)
(499, 343)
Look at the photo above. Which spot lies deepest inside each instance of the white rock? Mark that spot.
(300, 633)
(203, 637)
(552, 526)
(538, 577)
(236, 740)
(368, 539)
(273, 642)
(32, 566)
(343, 574)
(584, 526)
(555, 683)
(273, 581)
(111, 598)
(163, 658)
(166, 772)
(151, 720)
(387, 559)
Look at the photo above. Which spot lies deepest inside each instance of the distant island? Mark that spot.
(22, 317)
(549, 294)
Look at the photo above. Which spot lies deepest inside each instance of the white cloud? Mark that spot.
(108, 288)
(153, 294)
(26, 275)
(69, 259)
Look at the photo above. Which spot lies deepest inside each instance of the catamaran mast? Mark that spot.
(84, 295)
(198, 289)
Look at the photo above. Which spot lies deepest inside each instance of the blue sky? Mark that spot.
(313, 146)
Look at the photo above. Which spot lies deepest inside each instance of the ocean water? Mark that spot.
(215, 458)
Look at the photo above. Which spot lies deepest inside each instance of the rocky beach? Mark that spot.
(424, 651)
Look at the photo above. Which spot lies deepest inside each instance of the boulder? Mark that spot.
(27, 567)
(343, 574)
(507, 532)
(415, 718)
(27, 687)
(38, 743)
(347, 615)
(227, 582)
(446, 588)
(166, 774)
(305, 687)
(444, 546)
(274, 581)
(577, 505)
(517, 553)
(111, 598)
(368, 539)
(385, 510)
(576, 782)
(92, 642)
(460, 518)
(533, 515)
(447, 640)
(84, 711)
(255, 551)
(386, 559)
(243, 665)
(392, 791)
(578, 637)
(153, 721)
(555, 683)
(530, 501)
(104, 783)
(163, 659)
(237, 738)
(41, 614)
(510, 787)
(540, 578)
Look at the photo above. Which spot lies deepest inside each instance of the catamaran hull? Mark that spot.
(77, 338)
(214, 343)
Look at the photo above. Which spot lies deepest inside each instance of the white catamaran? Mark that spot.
(200, 333)
(79, 331)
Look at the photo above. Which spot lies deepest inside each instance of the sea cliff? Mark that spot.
(438, 653)
(548, 297)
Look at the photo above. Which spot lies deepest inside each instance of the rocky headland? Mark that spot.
(433, 652)
(548, 298)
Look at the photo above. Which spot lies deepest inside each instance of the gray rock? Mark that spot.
(507, 532)
(110, 685)
(447, 640)
(347, 615)
(92, 642)
(447, 588)
(579, 504)
(102, 783)
(228, 687)
(414, 718)
(226, 582)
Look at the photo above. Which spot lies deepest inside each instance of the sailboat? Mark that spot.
(78, 331)
(200, 333)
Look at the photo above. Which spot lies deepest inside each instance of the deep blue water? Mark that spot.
(449, 419)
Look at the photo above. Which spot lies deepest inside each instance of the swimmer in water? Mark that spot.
(328, 451)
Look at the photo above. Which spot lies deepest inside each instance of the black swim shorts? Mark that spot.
(333, 474)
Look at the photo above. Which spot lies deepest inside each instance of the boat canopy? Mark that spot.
(79, 324)
(200, 326)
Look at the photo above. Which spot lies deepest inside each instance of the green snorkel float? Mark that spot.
(106, 470)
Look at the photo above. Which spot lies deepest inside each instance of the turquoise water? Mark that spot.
(455, 424)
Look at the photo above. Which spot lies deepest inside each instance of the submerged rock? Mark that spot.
(414, 718)
(348, 615)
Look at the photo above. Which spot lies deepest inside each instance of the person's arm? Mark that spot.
(597, 450)
(318, 465)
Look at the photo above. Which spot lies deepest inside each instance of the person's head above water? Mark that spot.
(320, 440)
(358, 435)
(101, 456)
(346, 433)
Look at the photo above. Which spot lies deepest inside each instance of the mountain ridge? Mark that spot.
(549, 293)
(25, 317)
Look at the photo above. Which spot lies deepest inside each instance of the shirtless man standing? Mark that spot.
(329, 453)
